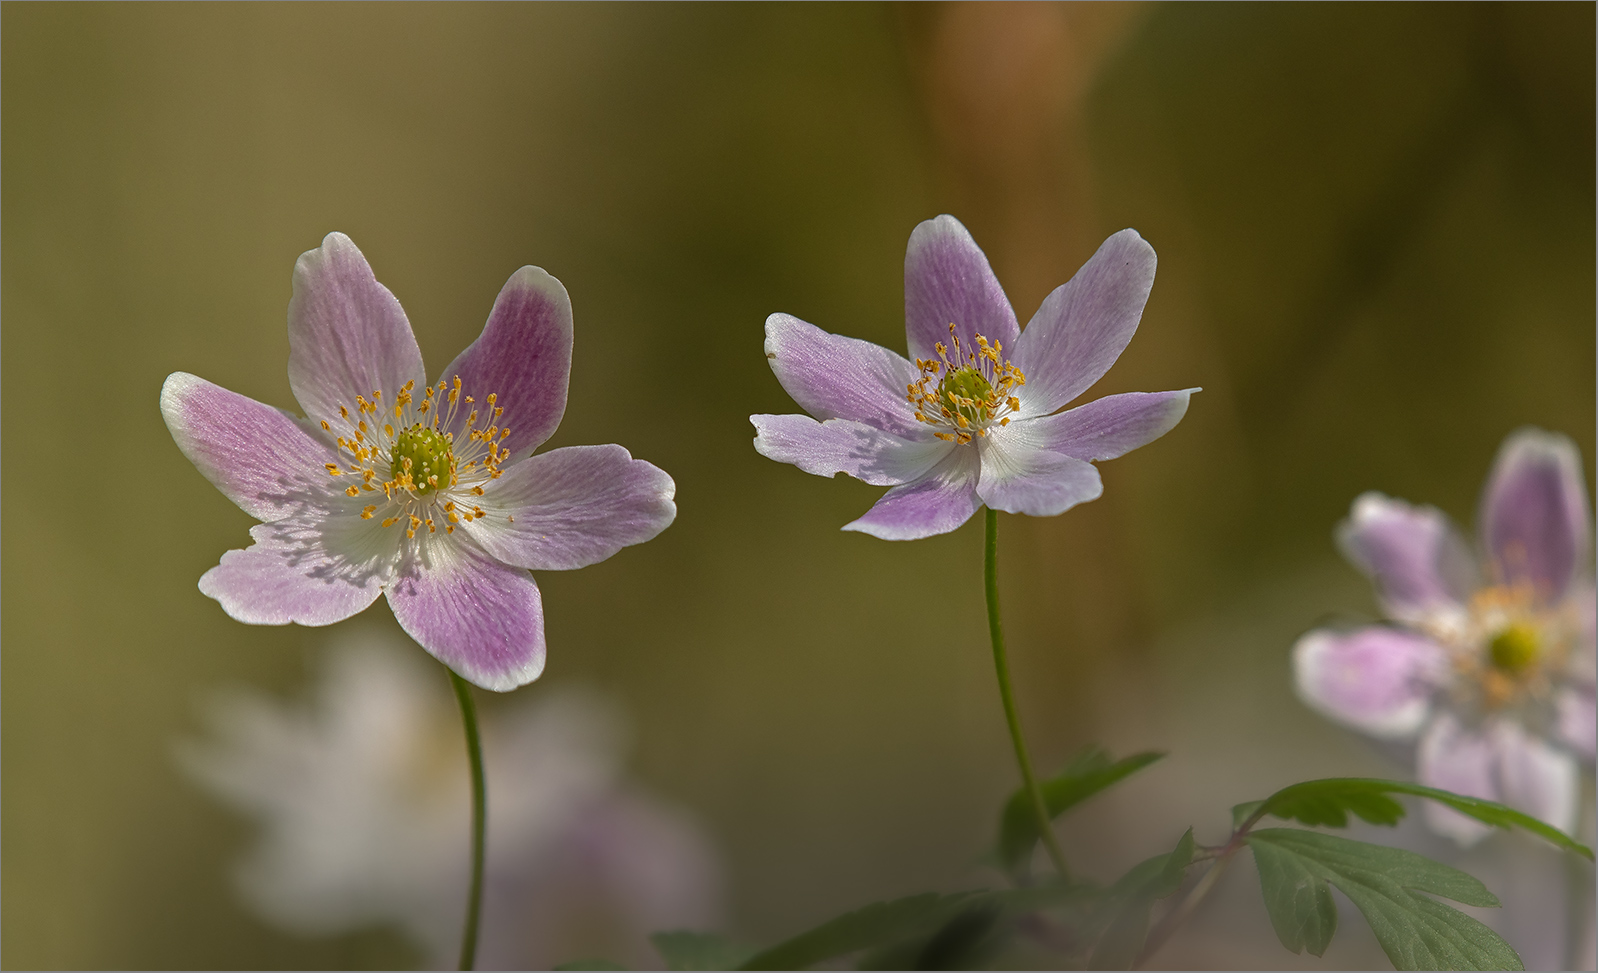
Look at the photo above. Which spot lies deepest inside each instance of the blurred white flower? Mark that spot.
(363, 799)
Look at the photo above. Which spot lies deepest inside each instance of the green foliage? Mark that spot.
(1416, 932)
(591, 964)
(871, 926)
(1124, 914)
(1090, 772)
(1328, 803)
(684, 950)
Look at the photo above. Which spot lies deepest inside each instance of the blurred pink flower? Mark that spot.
(363, 805)
(429, 495)
(972, 421)
(1490, 664)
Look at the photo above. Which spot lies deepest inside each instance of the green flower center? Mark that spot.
(1514, 649)
(966, 392)
(422, 460)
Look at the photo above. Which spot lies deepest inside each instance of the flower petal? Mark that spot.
(1108, 427)
(1536, 778)
(1455, 759)
(348, 336)
(572, 507)
(1377, 680)
(524, 357)
(1021, 479)
(482, 618)
(1414, 554)
(834, 377)
(947, 281)
(261, 458)
(844, 446)
(1534, 512)
(937, 503)
(309, 573)
(1577, 719)
(1083, 326)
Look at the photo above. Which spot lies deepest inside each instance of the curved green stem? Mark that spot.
(474, 751)
(1001, 665)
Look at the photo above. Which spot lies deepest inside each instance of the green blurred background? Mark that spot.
(1376, 236)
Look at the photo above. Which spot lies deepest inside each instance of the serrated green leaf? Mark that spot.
(1327, 802)
(875, 925)
(1125, 915)
(685, 950)
(1087, 774)
(1242, 812)
(1416, 932)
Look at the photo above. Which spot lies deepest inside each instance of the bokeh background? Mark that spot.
(1376, 236)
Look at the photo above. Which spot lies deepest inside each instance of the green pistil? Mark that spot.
(966, 384)
(1514, 648)
(427, 454)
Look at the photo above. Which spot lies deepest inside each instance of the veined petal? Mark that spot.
(482, 618)
(312, 573)
(524, 356)
(261, 458)
(1021, 479)
(1535, 777)
(940, 501)
(348, 336)
(845, 446)
(834, 377)
(1377, 680)
(1414, 554)
(1577, 719)
(1454, 758)
(1108, 427)
(1534, 512)
(1082, 328)
(572, 507)
(947, 281)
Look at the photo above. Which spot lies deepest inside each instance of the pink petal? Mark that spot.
(1416, 557)
(309, 574)
(1534, 512)
(1083, 326)
(1020, 479)
(834, 377)
(523, 357)
(1577, 719)
(261, 458)
(947, 281)
(844, 446)
(1453, 758)
(1377, 680)
(1535, 777)
(482, 618)
(1109, 427)
(937, 503)
(348, 336)
(572, 507)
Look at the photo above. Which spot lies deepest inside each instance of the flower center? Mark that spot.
(1514, 648)
(975, 393)
(436, 464)
(421, 460)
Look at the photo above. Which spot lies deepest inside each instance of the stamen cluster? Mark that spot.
(1504, 647)
(975, 392)
(429, 475)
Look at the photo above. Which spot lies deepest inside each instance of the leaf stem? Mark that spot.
(1001, 665)
(474, 752)
(1222, 857)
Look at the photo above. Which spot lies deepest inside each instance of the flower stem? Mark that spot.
(1001, 665)
(474, 752)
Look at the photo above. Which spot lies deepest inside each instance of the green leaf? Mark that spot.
(591, 964)
(1090, 772)
(874, 925)
(1416, 932)
(1327, 802)
(1242, 812)
(1125, 914)
(684, 950)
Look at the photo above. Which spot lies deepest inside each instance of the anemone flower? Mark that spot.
(1489, 661)
(428, 494)
(973, 419)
